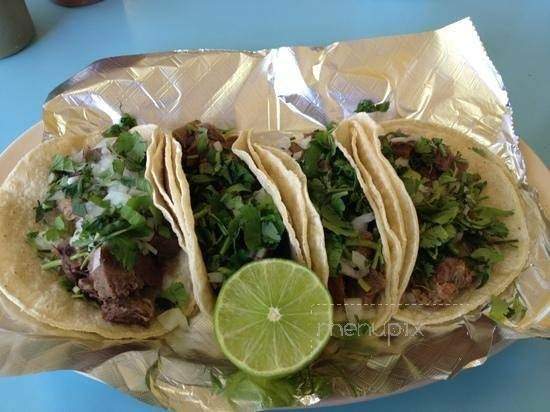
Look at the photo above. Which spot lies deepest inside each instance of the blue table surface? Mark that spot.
(517, 38)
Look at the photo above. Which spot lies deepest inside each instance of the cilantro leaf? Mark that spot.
(433, 236)
(42, 208)
(260, 393)
(175, 294)
(368, 106)
(517, 308)
(78, 207)
(125, 250)
(131, 146)
(252, 227)
(59, 224)
(310, 161)
(235, 218)
(131, 216)
(202, 140)
(270, 233)
(487, 254)
(339, 198)
(479, 151)
(446, 215)
(423, 146)
(502, 310)
(335, 249)
(126, 123)
(62, 163)
(118, 166)
(499, 309)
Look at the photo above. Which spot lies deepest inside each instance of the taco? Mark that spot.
(229, 211)
(344, 224)
(473, 239)
(85, 244)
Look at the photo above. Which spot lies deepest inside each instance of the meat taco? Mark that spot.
(86, 245)
(229, 211)
(339, 216)
(473, 239)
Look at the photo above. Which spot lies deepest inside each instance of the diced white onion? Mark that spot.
(359, 260)
(130, 174)
(117, 194)
(77, 231)
(78, 157)
(353, 308)
(304, 142)
(404, 139)
(260, 254)
(365, 285)
(42, 244)
(347, 269)
(73, 179)
(102, 145)
(134, 191)
(401, 161)
(93, 210)
(172, 319)
(59, 195)
(360, 222)
(217, 146)
(146, 246)
(105, 163)
(215, 277)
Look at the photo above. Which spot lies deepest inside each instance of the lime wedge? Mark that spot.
(273, 317)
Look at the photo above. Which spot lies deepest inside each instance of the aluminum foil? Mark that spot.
(444, 76)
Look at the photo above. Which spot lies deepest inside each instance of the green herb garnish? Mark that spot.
(78, 185)
(368, 106)
(454, 222)
(176, 294)
(337, 195)
(235, 219)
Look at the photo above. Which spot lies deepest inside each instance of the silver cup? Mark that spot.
(16, 27)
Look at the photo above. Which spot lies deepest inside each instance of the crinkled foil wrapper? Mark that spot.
(444, 76)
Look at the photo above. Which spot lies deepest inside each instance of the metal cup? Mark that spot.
(16, 27)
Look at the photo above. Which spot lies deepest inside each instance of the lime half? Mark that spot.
(273, 317)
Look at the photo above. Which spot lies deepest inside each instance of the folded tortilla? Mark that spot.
(270, 155)
(179, 192)
(361, 134)
(37, 292)
(501, 192)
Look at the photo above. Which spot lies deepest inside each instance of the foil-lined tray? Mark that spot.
(443, 76)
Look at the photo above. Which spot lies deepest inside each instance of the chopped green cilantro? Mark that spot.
(76, 187)
(176, 294)
(448, 198)
(368, 106)
(236, 221)
(337, 195)
(126, 123)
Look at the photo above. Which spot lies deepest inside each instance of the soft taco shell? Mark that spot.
(179, 192)
(22, 280)
(292, 182)
(398, 205)
(502, 192)
(378, 313)
(178, 189)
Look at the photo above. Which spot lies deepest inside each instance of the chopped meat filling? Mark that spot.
(451, 276)
(118, 291)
